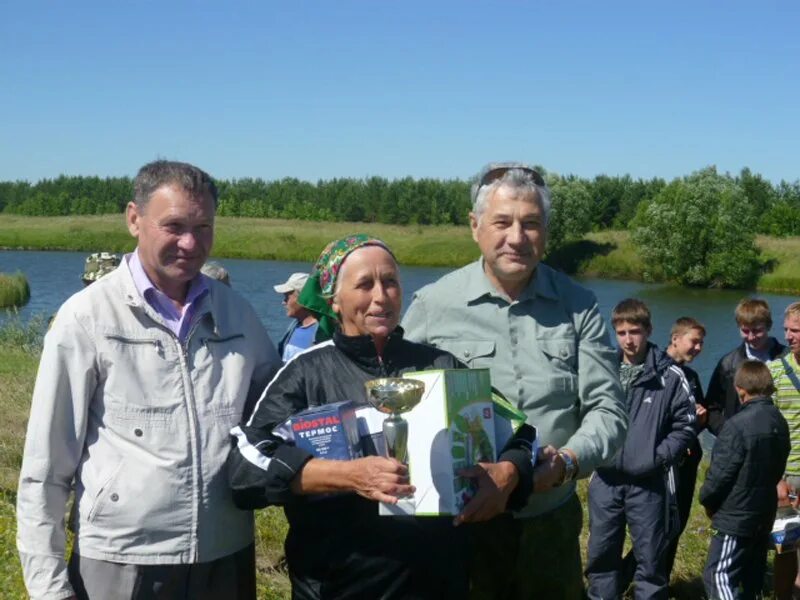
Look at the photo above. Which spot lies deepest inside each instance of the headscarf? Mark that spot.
(318, 291)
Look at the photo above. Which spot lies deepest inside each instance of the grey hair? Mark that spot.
(518, 179)
(159, 173)
(216, 271)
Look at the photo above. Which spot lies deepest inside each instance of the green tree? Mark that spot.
(700, 230)
(570, 209)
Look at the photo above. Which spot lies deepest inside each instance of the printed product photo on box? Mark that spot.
(452, 428)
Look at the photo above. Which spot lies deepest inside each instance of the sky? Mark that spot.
(317, 90)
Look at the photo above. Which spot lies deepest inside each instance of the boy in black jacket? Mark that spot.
(638, 489)
(739, 493)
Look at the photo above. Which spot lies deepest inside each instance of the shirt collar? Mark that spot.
(478, 285)
(197, 287)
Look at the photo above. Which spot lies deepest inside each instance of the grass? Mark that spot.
(14, 290)
(266, 239)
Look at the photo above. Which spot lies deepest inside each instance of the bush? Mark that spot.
(14, 290)
(700, 231)
(24, 335)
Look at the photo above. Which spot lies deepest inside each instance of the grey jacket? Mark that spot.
(141, 423)
(548, 353)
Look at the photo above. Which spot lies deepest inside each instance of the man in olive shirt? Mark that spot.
(549, 352)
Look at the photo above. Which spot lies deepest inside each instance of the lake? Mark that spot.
(54, 276)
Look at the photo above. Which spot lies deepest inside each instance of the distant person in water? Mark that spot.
(98, 264)
(216, 271)
(303, 330)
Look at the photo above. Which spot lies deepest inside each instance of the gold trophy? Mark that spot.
(395, 396)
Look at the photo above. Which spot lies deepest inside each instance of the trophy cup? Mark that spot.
(394, 396)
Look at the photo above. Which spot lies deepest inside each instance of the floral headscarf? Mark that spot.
(318, 291)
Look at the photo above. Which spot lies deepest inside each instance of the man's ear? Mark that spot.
(473, 225)
(740, 392)
(132, 217)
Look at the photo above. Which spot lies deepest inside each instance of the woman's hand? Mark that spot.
(380, 479)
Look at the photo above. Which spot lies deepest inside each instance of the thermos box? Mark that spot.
(329, 431)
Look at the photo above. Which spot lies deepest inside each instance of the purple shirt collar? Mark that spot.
(179, 322)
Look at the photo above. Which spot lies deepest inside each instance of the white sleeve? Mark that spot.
(65, 384)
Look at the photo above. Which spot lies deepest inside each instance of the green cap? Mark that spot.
(99, 264)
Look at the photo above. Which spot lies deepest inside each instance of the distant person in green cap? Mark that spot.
(98, 264)
(216, 271)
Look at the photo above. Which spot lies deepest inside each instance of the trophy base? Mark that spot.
(404, 507)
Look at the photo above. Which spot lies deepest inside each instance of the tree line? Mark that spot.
(705, 223)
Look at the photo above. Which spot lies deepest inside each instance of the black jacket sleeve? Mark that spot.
(715, 398)
(682, 419)
(518, 451)
(262, 461)
(727, 459)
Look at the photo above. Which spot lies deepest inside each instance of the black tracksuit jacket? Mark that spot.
(747, 463)
(661, 415)
(721, 399)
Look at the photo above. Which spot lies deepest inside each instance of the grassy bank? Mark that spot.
(607, 254)
(14, 290)
(267, 239)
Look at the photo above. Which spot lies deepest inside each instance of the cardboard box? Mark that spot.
(328, 431)
(451, 428)
(786, 530)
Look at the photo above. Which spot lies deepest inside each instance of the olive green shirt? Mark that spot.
(548, 352)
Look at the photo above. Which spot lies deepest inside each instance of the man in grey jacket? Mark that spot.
(142, 376)
(548, 350)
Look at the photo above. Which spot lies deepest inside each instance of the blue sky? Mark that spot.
(427, 89)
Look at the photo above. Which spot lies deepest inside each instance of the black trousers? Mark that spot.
(735, 567)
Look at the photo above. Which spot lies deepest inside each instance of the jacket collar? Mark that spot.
(656, 363)
(759, 400)
(208, 307)
(776, 349)
(361, 350)
(478, 285)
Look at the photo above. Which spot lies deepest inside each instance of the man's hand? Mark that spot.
(702, 415)
(549, 470)
(380, 479)
(496, 481)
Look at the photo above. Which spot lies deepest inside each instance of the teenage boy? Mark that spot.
(754, 320)
(686, 342)
(637, 490)
(739, 493)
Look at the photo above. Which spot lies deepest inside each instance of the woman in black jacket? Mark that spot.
(338, 546)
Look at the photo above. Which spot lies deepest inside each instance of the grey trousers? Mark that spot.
(231, 577)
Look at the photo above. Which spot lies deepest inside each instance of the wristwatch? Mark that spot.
(570, 468)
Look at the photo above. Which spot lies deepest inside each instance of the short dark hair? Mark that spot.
(754, 377)
(632, 310)
(685, 325)
(159, 173)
